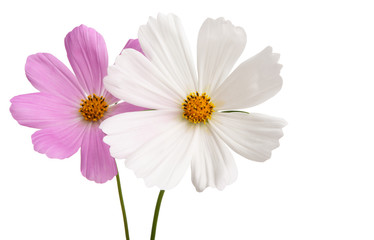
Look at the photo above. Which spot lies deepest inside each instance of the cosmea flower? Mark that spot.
(68, 109)
(190, 124)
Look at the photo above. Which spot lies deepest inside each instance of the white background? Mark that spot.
(318, 185)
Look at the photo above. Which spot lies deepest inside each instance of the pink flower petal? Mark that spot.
(88, 57)
(122, 108)
(59, 142)
(48, 74)
(43, 110)
(134, 44)
(96, 163)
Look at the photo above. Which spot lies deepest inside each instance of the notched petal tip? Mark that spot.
(167, 15)
(269, 51)
(152, 21)
(200, 190)
(98, 180)
(13, 110)
(160, 17)
(220, 20)
(227, 24)
(220, 186)
(81, 27)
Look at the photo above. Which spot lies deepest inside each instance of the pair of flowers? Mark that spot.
(170, 117)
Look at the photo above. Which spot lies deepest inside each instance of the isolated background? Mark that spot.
(318, 185)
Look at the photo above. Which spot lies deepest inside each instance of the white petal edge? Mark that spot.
(213, 164)
(219, 46)
(165, 44)
(251, 83)
(134, 79)
(252, 135)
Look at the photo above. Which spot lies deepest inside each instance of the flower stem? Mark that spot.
(122, 207)
(155, 217)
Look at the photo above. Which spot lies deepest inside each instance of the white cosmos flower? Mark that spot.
(190, 124)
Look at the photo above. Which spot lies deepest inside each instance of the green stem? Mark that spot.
(122, 207)
(155, 217)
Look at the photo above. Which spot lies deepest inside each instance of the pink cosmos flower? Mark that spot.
(69, 109)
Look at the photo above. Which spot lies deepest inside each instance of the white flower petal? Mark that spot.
(251, 83)
(163, 160)
(218, 48)
(134, 79)
(164, 43)
(156, 144)
(213, 164)
(252, 135)
(129, 131)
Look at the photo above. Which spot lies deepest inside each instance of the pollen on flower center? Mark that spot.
(197, 108)
(93, 108)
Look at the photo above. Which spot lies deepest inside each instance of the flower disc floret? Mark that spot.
(93, 108)
(197, 108)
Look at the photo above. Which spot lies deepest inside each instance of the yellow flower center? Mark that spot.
(197, 108)
(93, 108)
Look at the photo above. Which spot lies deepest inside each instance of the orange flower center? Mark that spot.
(197, 108)
(93, 108)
